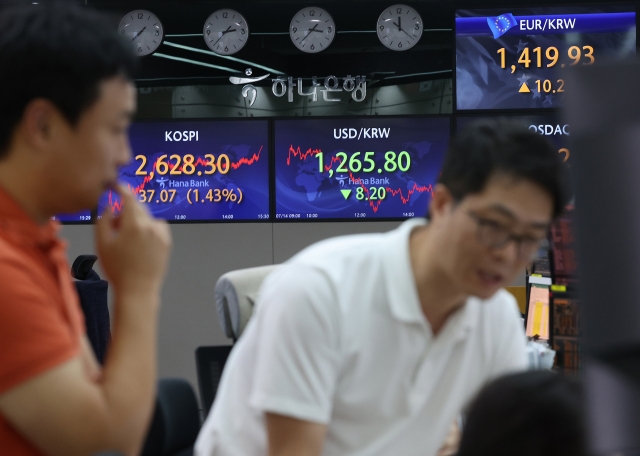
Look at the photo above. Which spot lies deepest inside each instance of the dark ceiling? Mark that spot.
(356, 49)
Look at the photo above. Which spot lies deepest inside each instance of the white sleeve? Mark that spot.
(511, 349)
(298, 354)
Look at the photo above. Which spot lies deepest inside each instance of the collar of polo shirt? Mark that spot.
(402, 292)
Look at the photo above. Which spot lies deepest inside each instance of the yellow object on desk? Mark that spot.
(538, 317)
(541, 320)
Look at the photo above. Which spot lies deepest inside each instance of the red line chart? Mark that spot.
(247, 161)
(301, 155)
(374, 204)
(116, 206)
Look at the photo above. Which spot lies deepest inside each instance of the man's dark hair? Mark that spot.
(527, 414)
(60, 52)
(494, 146)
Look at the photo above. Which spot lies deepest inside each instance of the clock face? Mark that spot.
(312, 29)
(399, 27)
(143, 30)
(226, 32)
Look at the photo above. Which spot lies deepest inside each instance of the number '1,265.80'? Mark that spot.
(354, 164)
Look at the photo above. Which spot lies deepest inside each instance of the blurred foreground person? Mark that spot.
(372, 344)
(528, 414)
(66, 102)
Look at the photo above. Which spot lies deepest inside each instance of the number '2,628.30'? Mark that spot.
(185, 165)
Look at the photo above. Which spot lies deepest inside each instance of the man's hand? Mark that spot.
(133, 248)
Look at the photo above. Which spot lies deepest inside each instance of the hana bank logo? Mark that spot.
(356, 86)
(248, 90)
(501, 24)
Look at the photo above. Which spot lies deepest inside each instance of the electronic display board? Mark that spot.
(198, 170)
(357, 168)
(514, 58)
(80, 217)
(547, 125)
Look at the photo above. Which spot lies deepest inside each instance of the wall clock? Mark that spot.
(312, 29)
(226, 32)
(399, 27)
(143, 30)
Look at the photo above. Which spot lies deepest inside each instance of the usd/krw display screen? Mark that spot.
(357, 168)
(547, 125)
(199, 170)
(515, 58)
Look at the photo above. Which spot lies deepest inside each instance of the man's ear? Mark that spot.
(442, 202)
(37, 122)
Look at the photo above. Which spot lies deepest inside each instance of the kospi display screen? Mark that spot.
(78, 217)
(548, 125)
(199, 170)
(515, 58)
(352, 168)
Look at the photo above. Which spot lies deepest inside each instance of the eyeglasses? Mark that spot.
(496, 236)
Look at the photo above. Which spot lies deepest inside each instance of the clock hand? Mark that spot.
(412, 37)
(223, 33)
(400, 23)
(399, 29)
(310, 30)
(138, 33)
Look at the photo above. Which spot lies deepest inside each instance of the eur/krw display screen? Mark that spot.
(357, 168)
(198, 170)
(515, 58)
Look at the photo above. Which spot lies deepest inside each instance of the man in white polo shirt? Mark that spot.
(372, 344)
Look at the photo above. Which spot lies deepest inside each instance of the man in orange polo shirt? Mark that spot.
(66, 101)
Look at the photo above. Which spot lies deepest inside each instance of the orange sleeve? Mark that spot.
(34, 335)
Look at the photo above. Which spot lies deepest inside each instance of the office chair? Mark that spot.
(209, 363)
(176, 420)
(235, 293)
(92, 292)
